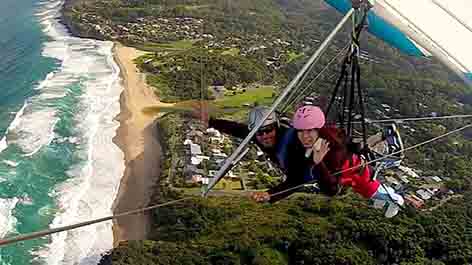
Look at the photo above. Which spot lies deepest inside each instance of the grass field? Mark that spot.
(237, 107)
(262, 95)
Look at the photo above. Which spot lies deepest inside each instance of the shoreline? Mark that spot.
(137, 138)
(135, 132)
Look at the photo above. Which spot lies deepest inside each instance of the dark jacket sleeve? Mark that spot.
(296, 178)
(232, 128)
(298, 169)
(287, 188)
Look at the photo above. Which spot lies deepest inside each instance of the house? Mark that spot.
(431, 191)
(195, 160)
(214, 132)
(408, 171)
(196, 178)
(193, 170)
(404, 179)
(436, 178)
(414, 202)
(423, 194)
(205, 181)
(416, 198)
(195, 149)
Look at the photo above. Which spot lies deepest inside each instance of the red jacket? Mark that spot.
(339, 159)
(358, 178)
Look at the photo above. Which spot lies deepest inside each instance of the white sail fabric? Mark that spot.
(443, 27)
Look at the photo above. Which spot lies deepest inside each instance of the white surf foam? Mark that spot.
(10, 163)
(3, 144)
(92, 190)
(93, 186)
(13, 125)
(45, 82)
(7, 221)
(35, 126)
(34, 130)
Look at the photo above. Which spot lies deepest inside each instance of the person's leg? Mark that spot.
(386, 146)
(393, 139)
(393, 200)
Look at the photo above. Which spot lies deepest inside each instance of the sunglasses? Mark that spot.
(265, 130)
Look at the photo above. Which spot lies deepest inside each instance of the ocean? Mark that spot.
(58, 164)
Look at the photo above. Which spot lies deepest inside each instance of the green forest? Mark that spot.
(181, 75)
(303, 230)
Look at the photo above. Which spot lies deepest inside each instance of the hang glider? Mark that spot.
(439, 28)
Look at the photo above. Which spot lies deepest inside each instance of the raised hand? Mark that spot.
(320, 149)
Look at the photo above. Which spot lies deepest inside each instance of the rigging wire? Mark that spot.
(142, 210)
(295, 81)
(300, 82)
(383, 157)
(46, 232)
(51, 231)
(292, 100)
(401, 120)
(353, 45)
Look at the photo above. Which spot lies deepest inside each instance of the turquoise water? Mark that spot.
(21, 40)
(22, 67)
(59, 95)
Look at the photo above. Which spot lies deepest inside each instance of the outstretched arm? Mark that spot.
(201, 111)
(296, 177)
(235, 129)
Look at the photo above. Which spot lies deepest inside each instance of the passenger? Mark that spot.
(322, 151)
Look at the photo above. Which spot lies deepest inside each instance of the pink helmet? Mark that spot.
(308, 117)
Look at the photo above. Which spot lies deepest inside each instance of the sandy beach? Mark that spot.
(137, 138)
